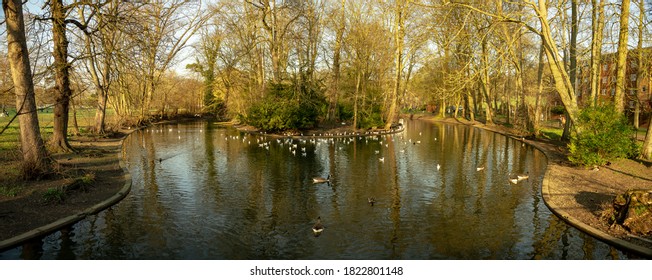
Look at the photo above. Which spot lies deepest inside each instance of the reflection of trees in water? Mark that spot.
(547, 244)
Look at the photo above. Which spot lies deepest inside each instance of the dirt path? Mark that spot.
(33, 207)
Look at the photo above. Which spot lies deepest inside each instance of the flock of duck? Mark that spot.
(298, 146)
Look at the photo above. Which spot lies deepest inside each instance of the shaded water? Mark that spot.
(201, 191)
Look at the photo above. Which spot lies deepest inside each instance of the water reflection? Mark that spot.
(201, 191)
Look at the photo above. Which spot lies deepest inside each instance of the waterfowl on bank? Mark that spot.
(371, 201)
(318, 180)
(318, 227)
(523, 176)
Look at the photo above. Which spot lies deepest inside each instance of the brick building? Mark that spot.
(637, 81)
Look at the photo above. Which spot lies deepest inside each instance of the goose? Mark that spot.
(317, 180)
(318, 227)
(523, 176)
(371, 201)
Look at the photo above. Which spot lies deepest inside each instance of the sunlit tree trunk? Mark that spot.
(35, 157)
(646, 152)
(63, 93)
(537, 110)
(621, 63)
(484, 80)
(399, 34)
(640, 69)
(557, 69)
(597, 18)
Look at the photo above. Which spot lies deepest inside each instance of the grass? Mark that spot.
(9, 139)
(54, 195)
(9, 191)
(552, 133)
(10, 156)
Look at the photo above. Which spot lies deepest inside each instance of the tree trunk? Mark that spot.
(355, 99)
(59, 140)
(332, 105)
(646, 151)
(537, 109)
(484, 81)
(399, 34)
(621, 63)
(597, 18)
(639, 64)
(35, 157)
(562, 80)
(75, 125)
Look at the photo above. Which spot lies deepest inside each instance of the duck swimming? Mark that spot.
(318, 180)
(318, 227)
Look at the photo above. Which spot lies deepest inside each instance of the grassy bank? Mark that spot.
(10, 156)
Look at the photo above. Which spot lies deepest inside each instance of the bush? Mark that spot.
(602, 135)
(558, 110)
(371, 119)
(285, 109)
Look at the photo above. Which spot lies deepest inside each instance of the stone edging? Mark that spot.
(564, 216)
(58, 224)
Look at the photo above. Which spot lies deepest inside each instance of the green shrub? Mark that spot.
(370, 120)
(345, 111)
(9, 191)
(283, 108)
(602, 135)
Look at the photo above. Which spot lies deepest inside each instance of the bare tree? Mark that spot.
(99, 50)
(399, 35)
(35, 157)
(340, 27)
(63, 93)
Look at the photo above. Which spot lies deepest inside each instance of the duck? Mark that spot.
(382, 159)
(318, 180)
(479, 169)
(318, 227)
(513, 180)
(438, 166)
(371, 201)
(523, 176)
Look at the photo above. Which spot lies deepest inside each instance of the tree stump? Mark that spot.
(633, 210)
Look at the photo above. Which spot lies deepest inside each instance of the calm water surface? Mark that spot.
(202, 191)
